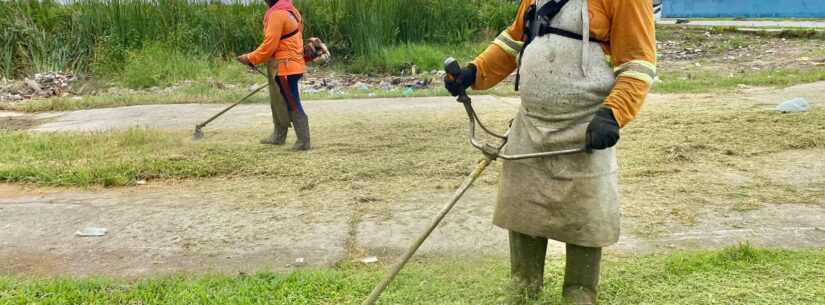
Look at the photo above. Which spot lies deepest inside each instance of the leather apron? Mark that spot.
(573, 198)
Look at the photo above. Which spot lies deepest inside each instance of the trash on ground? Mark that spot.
(369, 260)
(42, 85)
(794, 106)
(92, 232)
(337, 83)
(409, 92)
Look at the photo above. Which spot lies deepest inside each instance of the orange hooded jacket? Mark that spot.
(281, 20)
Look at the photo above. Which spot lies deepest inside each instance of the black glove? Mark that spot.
(458, 85)
(603, 131)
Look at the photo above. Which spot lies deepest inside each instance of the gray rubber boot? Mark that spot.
(527, 256)
(300, 122)
(581, 275)
(278, 137)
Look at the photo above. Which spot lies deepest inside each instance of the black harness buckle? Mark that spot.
(537, 24)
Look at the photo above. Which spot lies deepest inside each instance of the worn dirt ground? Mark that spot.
(237, 225)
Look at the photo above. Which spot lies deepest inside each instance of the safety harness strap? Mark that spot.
(537, 24)
(546, 29)
(297, 30)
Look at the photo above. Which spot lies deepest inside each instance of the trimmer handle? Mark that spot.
(453, 69)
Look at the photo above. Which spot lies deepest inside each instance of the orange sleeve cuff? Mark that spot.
(626, 99)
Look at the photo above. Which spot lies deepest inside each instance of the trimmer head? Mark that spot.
(198, 133)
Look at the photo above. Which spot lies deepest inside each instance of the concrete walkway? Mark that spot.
(186, 116)
(750, 23)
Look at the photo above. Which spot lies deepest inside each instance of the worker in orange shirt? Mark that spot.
(283, 41)
(585, 68)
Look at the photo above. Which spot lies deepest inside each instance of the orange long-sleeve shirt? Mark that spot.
(288, 52)
(628, 27)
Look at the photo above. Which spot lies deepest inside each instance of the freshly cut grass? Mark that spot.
(677, 159)
(739, 275)
(346, 152)
(667, 139)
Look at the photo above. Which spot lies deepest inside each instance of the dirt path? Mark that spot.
(245, 116)
(186, 116)
(170, 229)
(222, 225)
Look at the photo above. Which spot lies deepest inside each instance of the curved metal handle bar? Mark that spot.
(494, 152)
(543, 154)
(487, 130)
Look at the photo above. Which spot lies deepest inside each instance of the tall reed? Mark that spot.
(96, 35)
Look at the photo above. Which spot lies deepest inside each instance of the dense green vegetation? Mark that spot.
(105, 38)
(738, 275)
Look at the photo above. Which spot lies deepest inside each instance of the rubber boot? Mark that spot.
(527, 255)
(276, 104)
(278, 137)
(581, 275)
(300, 122)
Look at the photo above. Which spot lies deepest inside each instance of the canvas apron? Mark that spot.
(280, 113)
(573, 198)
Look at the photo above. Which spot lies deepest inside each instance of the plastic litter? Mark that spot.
(409, 92)
(92, 232)
(369, 260)
(794, 106)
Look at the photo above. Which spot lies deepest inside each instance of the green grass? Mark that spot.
(697, 34)
(738, 275)
(426, 57)
(121, 158)
(704, 81)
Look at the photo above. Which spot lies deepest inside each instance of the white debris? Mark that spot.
(42, 85)
(254, 87)
(794, 106)
(369, 260)
(91, 232)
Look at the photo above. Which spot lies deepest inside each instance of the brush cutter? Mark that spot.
(198, 134)
(491, 153)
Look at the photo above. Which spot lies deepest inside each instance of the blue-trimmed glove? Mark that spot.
(458, 85)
